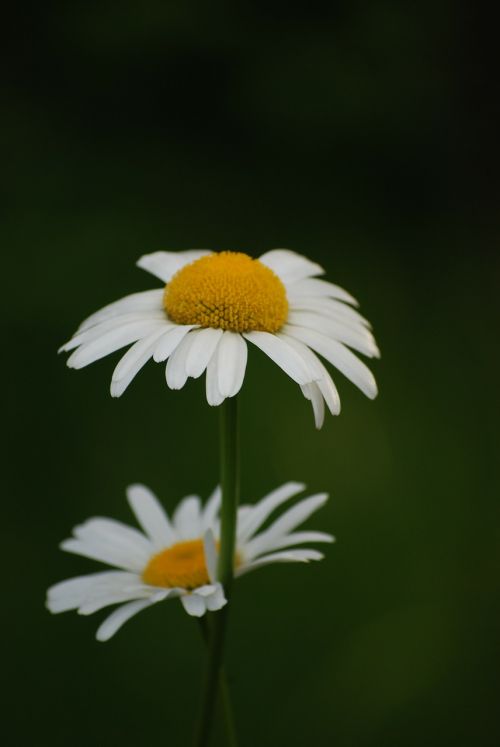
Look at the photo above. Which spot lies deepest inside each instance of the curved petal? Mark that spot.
(151, 515)
(359, 339)
(282, 354)
(119, 617)
(290, 266)
(232, 361)
(150, 300)
(217, 599)
(167, 344)
(194, 604)
(210, 597)
(186, 518)
(112, 542)
(325, 381)
(287, 540)
(98, 330)
(175, 371)
(211, 509)
(72, 593)
(112, 340)
(317, 287)
(256, 515)
(339, 356)
(214, 397)
(312, 392)
(164, 265)
(132, 362)
(292, 556)
(202, 348)
(330, 307)
(287, 522)
(269, 542)
(99, 598)
(210, 555)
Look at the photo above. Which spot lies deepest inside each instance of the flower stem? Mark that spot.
(230, 484)
(224, 695)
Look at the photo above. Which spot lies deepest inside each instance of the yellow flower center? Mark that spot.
(182, 565)
(228, 290)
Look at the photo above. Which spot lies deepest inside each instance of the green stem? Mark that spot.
(230, 482)
(224, 695)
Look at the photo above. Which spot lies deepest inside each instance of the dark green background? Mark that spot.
(364, 136)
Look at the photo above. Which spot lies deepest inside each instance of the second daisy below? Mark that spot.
(177, 556)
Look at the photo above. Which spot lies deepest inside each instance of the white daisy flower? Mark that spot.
(177, 557)
(212, 304)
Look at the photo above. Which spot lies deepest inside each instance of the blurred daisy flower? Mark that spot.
(177, 557)
(212, 304)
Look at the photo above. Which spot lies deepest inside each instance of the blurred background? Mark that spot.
(363, 135)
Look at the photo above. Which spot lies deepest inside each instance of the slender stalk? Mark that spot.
(230, 482)
(224, 695)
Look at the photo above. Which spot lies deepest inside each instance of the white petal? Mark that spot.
(151, 516)
(292, 556)
(119, 617)
(282, 354)
(202, 348)
(214, 397)
(210, 555)
(211, 509)
(112, 532)
(103, 555)
(265, 543)
(170, 340)
(164, 265)
(330, 307)
(339, 356)
(205, 591)
(290, 266)
(132, 362)
(72, 593)
(98, 330)
(231, 364)
(216, 600)
(187, 518)
(312, 392)
(325, 381)
(297, 514)
(175, 371)
(112, 542)
(296, 538)
(318, 288)
(101, 596)
(247, 525)
(194, 604)
(209, 597)
(68, 594)
(150, 300)
(359, 339)
(112, 340)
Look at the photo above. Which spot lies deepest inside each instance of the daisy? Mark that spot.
(177, 557)
(212, 304)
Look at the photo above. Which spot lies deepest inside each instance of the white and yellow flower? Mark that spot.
(212, 304)
(177, 557)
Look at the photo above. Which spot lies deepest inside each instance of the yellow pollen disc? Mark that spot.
(182, 565)
(228, 290)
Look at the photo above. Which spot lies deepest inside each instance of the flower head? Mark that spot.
(177, 557)
(212, 304)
